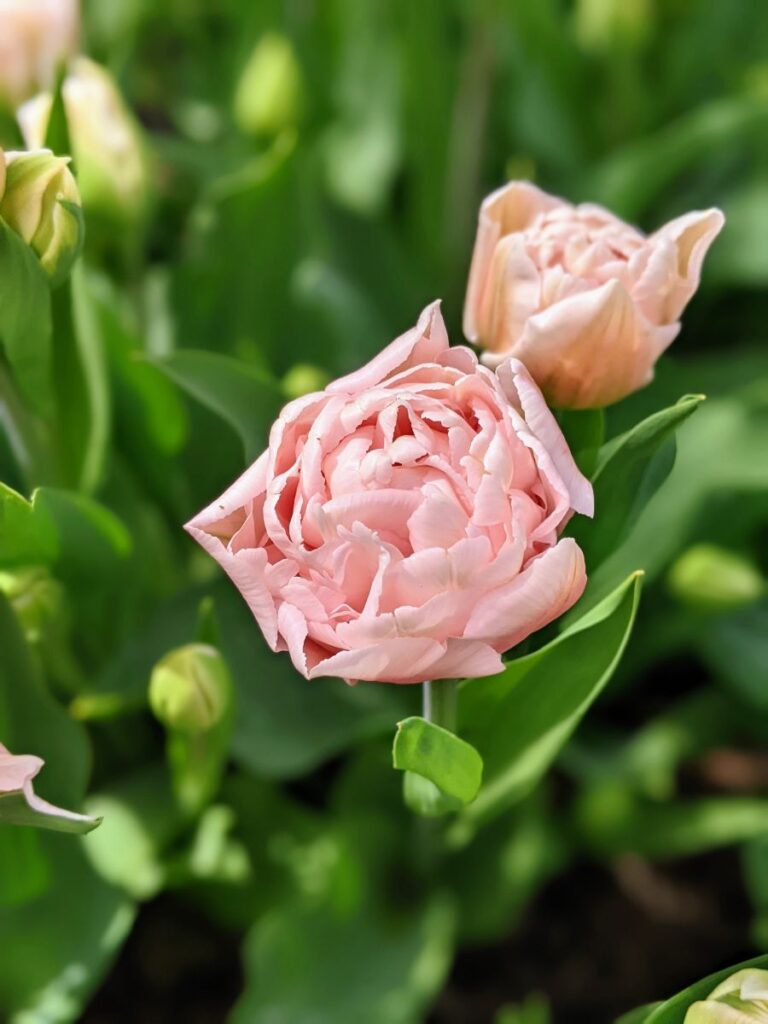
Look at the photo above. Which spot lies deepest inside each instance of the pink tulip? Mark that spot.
(35, 37)
(587, 302)
(19, 805)
(404, 524)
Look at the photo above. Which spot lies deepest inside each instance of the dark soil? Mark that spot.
(597, 942)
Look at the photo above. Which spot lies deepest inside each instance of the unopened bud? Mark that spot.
(40, 202)
(602, 25)
(740, 999)
(107, 142)
(303, 379)
(268, 98)
(190, 689)
(711, 578)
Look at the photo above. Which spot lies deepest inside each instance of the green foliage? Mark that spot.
(452, 765)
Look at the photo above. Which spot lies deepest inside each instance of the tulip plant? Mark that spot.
(343, 711)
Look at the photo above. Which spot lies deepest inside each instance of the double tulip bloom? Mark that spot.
(404, 524)
(587, 302)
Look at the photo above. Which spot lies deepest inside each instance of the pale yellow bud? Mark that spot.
(107, 143)
(40, 202)
(190, 689)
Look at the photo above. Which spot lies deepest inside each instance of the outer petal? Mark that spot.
(518, 384)
(589, 350)
(507, 210)
(692, 234)
(424, 343)
(400, 660)
(19, 805)
(547, 588)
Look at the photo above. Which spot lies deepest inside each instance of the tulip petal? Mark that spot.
(20, 805)
(692, 235)
(589, 350)
(546, 588)
(424, 343)
(507, 210)
(517, 382)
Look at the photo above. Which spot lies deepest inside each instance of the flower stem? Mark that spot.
(439, 702)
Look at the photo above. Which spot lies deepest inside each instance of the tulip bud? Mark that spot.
(35, 597)
(303, 379)
(710, 578)
(37, 203)
(190, 689)
(107, 144)
(602, 25)
(740, 999)
(36, 36)
(268, 97)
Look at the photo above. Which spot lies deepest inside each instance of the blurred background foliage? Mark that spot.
(309, 179)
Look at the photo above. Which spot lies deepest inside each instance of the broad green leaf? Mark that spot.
(427, 749)
(584, 431)
(62, 942)
(630, 468)
(28, 535)
(25, 319)
(637, 1016)
(520, 720)
(74, 535)
(24, 869)
(673, 1010)
(720, 451)
(91, 541)
(314, 965)
(247, 398)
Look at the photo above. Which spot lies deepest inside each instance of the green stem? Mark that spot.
(440, 699)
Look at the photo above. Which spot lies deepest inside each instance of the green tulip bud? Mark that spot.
(740, 999)
(602, 25)
(35, 597)
(711, 578)
(268, 97)
(38, 202)
(303, 379)
(107, 143)
(190, 689)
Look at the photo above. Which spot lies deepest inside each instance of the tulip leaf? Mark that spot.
(25, 319)
(630, 469)
(519, 720)
(428, 750)
(246, 398)
(297, 963)
(673, 1010)
(73, 535)
(27, 532)
(639, 1015)
(584, 430)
